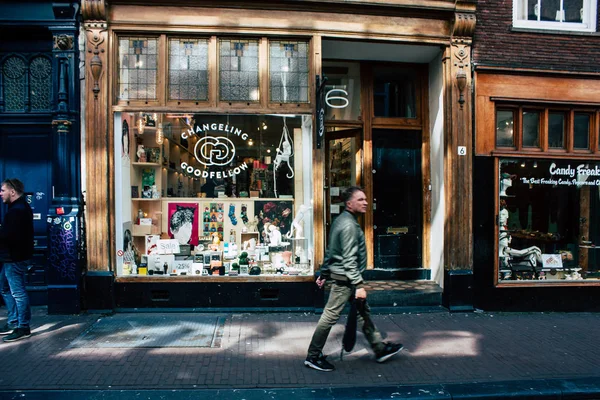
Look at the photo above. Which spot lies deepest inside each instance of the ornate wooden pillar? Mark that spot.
(458, 156)
(65, 224)
(97, 139)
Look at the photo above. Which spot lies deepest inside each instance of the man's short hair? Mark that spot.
(16, 184)
(349, 192)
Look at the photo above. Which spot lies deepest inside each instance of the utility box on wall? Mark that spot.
(458, 290)
(64, 260)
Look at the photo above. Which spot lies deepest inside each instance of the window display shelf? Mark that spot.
(215, 278)
(145, 164)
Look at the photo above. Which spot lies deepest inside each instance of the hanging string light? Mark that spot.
(159, 134)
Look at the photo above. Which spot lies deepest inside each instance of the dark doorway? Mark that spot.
(397, 199)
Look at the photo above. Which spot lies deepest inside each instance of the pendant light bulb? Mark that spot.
(159, 134)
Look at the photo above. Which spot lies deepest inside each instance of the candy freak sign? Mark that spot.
(215, 150)
(580, 175)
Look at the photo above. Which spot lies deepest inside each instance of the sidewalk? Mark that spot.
(535, 354)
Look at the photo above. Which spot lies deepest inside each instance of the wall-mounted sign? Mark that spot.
(320, 105)
(580, 175)
(335, 98)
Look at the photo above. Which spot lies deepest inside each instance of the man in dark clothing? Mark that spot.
(16, 236)
(346, 260)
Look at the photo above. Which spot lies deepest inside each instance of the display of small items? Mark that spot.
(147, 154)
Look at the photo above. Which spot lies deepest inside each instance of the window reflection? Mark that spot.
(556, 130)
(581, 128)
(531, 129)
(505, 128)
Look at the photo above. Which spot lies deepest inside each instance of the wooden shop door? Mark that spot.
(397, 199)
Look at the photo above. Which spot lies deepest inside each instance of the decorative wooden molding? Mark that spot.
(63, 42)
(97, 146)
(464, 25)
(96, 34)
(458, 235)
(93, 10)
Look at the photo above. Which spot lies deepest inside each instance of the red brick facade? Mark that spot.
(496, 43)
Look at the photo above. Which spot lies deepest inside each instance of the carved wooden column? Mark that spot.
(97, 137)
(458, 156)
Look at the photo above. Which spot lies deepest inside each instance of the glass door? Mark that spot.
(342, 169)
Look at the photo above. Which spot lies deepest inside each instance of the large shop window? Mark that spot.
(233, 192)
(569, 15)
(549, 220)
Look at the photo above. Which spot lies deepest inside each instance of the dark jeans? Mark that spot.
(12, 288)
(338, 297)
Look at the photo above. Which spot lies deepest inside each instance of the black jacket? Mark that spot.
(346, 257)
(16, 232)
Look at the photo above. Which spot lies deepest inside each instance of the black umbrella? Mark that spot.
(349, 338)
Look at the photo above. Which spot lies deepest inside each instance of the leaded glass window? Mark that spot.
(288, 71)
(40, 72)
(13, 73)
(238, 70)
(188, 69)
(138, 66)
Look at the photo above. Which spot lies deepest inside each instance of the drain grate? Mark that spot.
(152, 330)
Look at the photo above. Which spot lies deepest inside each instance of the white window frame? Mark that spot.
(588, 24)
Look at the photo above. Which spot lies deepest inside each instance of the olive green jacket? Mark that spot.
(346, 256)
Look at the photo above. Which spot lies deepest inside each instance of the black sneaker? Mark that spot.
(388, 351)
(18, 334)
(7, 329)
(320, 363)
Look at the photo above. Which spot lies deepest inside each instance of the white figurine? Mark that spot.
(249, 244)
(274, 236)
(533, 253)
(252, 226)
(503, 219)
(155, 193)
(296, 229)
(141, 153)
(505, 183)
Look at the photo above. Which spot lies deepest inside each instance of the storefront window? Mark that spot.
(549, 220)
(288, 71)
(238, 70)
(233, 191)
(188, 69)
(138, 62)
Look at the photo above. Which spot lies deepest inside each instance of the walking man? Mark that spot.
(346, 260)
(16, 237)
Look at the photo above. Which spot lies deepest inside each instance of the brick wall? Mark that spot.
(495, 44)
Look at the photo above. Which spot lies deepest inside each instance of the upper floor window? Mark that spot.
(138, 68)
(567, 15)
(546, 129)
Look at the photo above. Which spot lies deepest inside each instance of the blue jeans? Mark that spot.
(12, 288)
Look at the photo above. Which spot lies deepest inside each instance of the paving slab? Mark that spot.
(491, 352)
